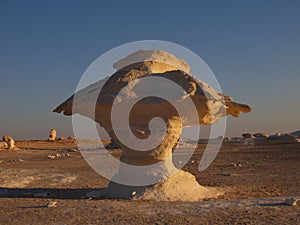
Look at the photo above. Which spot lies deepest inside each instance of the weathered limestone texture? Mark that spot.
(123, 87)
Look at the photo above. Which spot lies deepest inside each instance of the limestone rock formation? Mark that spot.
(248, 135)
(3, 145)
(52, 136)
(6, 138)
(71, 138)
(125, 87)
(260, 135)
(10, 142)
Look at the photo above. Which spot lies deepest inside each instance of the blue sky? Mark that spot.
(253, 48)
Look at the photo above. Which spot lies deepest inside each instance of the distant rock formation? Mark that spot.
(260, 135)
(279, 137)
(284, 137)
(247, 135)
(61, 139)
(3, 145)
(5, 138)
(52, 136)
(71, 139)
(10, 142)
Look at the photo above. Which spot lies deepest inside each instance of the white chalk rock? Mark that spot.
(247, 135)
(51, 204)
(3, 145)
(147, 72)
(9, 141)
(164, 61)
(52, 136)
(261, 135)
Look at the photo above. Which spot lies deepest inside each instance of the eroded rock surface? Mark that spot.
(52, 135)
(152, 74)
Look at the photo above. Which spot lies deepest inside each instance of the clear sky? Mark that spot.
(253, 47)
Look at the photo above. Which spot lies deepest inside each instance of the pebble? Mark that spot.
(17, 160)
(51, 204)
(58, 155)
(236, 164)
(291, 201)
(51, 156)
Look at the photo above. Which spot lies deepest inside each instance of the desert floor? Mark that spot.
(257, 177)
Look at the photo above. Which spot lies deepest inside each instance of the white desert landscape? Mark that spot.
(251, 181)
(149, 112)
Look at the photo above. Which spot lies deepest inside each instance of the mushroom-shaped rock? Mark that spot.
(155, 84)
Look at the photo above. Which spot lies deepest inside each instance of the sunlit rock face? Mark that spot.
(157, 85)
(52, 135)
(153, 61)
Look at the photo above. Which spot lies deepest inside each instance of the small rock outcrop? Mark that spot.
(10, 142)
(3, 145)
(5, 138)
(260, 135)
(61, 139)
(284, 138)
(71, 139)
(248, 135)
(52, 136)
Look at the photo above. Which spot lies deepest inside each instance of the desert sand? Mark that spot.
(257, 175)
